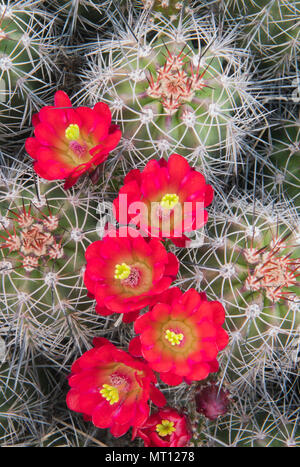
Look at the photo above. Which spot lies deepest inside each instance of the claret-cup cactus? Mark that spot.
(181, 89)
(250, 259)
(149, 223)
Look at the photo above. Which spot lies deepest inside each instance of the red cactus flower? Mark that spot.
(212, 401)
(180, 338)
(165, 428)
(112, 389)
(171, 198)
(70, 141)
(125, 272)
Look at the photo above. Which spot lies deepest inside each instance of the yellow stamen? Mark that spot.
(165, 428)
(172, 337)
(110, 393)
(169, 201)
(72, 132)
(122, 271)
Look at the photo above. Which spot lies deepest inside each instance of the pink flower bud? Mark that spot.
(212, 401)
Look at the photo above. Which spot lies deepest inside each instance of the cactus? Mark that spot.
(284, 154)
(170, 9)
(185, 90)
(250, 259)
(26, 41)
(65, 435)
(253, 427)
(44, 235)
(270, 28)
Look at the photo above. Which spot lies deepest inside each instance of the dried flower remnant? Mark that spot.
(258, 278)
(274, 272)
(181, 336)
(112, 389)
(173, 85)
(33, 238)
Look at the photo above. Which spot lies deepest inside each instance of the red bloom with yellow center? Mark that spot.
(165, 428)
(125, 272)
(112, 389)
(70, 141)
(169, 196)
(181, 337)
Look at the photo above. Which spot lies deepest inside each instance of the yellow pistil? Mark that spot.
(169, 201)
(165, 428)
(172, 337)
(110, 393)
(72, 132)
(122, 271)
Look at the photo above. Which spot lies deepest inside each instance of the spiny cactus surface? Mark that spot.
(215, 82)
(27, 42)
(183, 89)
(44, 234)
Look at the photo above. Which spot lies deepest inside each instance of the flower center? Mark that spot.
(79, 149)
(120, 380)
(165, 428)
(133, 279)
(110, 393)
(72, 132)
(169, 201)
(173, 338)
(122, 271)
